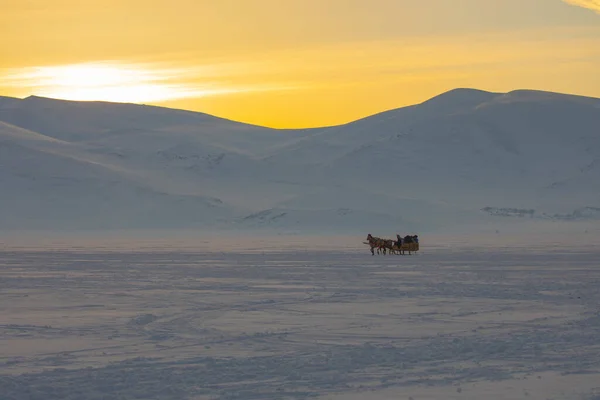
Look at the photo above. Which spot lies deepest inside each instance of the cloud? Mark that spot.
(591, 4)
(126, 82)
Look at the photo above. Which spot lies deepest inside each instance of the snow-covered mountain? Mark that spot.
(464, 157)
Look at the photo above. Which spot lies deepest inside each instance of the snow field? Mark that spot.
(244, 320)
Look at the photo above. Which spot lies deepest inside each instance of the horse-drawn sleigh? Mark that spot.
(400, 246)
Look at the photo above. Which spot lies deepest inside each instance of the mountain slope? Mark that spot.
(51, 184)
(524, 147)
(75, 121)
(462, 157)
(514, 149)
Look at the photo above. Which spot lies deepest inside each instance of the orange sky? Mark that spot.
(295, 63)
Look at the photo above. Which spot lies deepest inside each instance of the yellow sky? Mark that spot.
(294, 63)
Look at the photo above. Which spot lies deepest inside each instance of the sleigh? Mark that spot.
(407, 247)
(386, 245)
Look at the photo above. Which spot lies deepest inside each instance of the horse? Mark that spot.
(389, 245)
(375, 242)
(385, 246)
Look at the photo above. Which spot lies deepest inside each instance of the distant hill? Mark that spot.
(463, 157)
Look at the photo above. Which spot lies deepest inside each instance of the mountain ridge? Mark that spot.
(462, 157)
(452, 96)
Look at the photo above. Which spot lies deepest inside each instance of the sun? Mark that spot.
(109, 81)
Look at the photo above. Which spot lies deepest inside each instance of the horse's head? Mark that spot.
(369, 236)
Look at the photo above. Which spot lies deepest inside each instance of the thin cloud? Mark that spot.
(591, 4)
(114, 81)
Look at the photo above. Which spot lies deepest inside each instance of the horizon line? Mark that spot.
(158, 105)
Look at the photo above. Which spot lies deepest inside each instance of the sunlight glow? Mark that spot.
(116, 82)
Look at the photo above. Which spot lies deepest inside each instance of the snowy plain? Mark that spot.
(298, 317)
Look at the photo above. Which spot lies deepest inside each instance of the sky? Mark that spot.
(295, 63)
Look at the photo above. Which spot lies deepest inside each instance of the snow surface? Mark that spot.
(295, 317)
(464, 158)
(163, 254)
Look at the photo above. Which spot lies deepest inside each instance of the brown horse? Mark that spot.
(385, 246)
(375, 243)
(389, 245)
